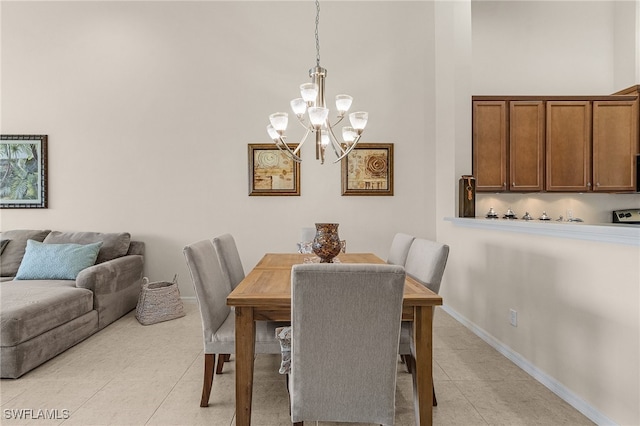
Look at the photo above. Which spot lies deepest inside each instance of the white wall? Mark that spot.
(626, 43)
(149, 107)
(578, 302)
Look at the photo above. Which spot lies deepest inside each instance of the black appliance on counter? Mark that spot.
(631, 216)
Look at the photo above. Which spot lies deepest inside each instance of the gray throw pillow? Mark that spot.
(114, 245)
(14, 251)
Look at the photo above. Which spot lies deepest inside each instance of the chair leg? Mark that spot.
(286, 378)
(221, 359)
(410, 362)
(406, 362)
(435, 401)
(209, 361)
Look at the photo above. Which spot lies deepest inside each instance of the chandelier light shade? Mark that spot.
(313, 114)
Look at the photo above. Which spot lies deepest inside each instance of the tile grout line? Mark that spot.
(87, 400)
(469, 401)
(173, 387)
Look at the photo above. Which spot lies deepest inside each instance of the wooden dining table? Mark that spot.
(265, 295)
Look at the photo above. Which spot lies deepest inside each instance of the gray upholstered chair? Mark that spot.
(425, 263)
(233, 271)
(230, 261)
(231, 265)
(218, 320)
(400, 248)
(345, 329)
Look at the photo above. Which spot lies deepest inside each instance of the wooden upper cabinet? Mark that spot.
(615, 145)
(557, 143)
(490, 145)
(526, 145)
(568, 146)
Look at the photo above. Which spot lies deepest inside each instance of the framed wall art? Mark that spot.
(272, 172)
(23, 171)
(368, 170)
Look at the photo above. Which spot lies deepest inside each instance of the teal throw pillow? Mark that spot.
(56, 261)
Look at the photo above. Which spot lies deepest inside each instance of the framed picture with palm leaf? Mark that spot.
(23, 171)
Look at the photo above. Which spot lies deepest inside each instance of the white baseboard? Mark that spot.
(552, 384)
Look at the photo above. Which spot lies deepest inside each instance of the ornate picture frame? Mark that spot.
(368, 170)
(23, 171)
(271, 171)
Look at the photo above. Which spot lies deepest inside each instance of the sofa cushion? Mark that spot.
(14, 251)
(3, 244)
(30, 308)
(114, 245)
(43, 261)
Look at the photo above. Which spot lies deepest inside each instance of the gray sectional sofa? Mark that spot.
(43, 309)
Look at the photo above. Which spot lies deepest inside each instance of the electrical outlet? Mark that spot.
(513, 317)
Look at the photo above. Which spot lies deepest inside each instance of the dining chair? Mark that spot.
(345, 324)
(231, 265)
(400, 248)
(426, 261)
(230, 262)
(232, 269)
(218, 319)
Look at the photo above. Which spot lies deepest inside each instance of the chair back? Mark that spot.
(345, 332)
(400, 248)
(230, 262)
(211, 287)
(426, 261)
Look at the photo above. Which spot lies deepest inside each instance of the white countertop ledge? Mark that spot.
(603, 233)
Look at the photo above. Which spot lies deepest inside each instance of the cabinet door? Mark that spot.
(568, 153)
(526, 146)
(615, 145)
(490, 145)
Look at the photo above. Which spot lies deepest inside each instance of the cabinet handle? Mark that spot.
(597, 183)
(588, 183)
(513, 184)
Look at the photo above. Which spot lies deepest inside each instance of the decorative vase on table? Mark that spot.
(326, 244)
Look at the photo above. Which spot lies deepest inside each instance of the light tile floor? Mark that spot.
(129, 374)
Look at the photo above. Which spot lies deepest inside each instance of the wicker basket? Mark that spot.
(159, 301)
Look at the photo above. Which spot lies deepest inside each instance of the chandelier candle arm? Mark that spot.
(338, 150)
(349, 149)
(293, 154)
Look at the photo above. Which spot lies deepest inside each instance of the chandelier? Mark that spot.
(311, 112)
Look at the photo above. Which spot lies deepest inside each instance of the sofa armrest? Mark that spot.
(115, 285)
(112, 276)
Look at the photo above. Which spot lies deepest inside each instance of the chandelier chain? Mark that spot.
(317, 36)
